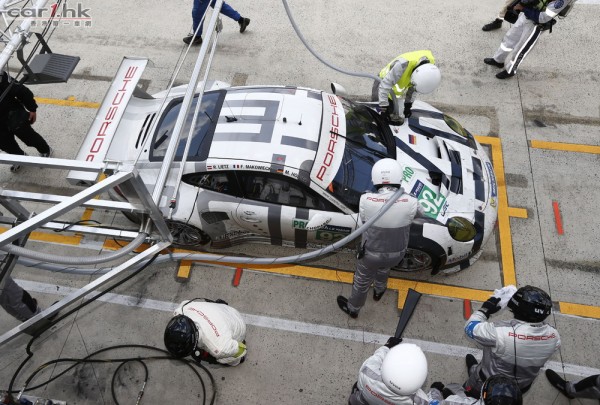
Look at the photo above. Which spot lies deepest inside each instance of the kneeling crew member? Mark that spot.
(206, 330)
(516, 348)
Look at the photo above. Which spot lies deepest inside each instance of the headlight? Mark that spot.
(461, 229)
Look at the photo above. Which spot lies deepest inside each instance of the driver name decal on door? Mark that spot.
(431, 202)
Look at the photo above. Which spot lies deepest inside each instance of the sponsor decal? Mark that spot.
(529, 337)
(559, 4)
(212, 325)
(444, 209)
(232, 234)
(493, 185)
(331, 145)
(407, 174)
(431, 202)
(299, 223)
(493, 202)
(458, 258)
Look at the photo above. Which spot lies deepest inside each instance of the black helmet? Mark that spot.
(530, 304)
(500, 390)
(180, 336)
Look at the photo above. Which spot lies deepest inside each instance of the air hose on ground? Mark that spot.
(236, 259)
(77, 260)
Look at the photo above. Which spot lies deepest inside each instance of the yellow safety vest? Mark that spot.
(413, 58)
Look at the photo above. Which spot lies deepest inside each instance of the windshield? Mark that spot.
(202, 135)
(365, 128)
(366, 143)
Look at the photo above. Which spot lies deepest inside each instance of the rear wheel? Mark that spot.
(186, 235)
(417, 260)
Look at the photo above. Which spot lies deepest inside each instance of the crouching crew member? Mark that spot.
(516, 348)
(207, 330)
(393, 375)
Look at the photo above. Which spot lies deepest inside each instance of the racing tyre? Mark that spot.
(417, 260)
(185, 235)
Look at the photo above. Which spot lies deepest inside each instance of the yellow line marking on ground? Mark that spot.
(185, 266)
(70, 102)
(53, 237)
(517, 212)
(587, 311)
(506, 249)
(567, 147)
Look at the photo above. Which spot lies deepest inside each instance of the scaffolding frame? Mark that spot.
(154, 225)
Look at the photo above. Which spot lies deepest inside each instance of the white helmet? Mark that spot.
(426, 78)
(386, 171)
(404, 369)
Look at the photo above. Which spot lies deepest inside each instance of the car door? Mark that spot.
(280, 208)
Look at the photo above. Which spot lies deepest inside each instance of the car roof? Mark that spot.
(278, 125)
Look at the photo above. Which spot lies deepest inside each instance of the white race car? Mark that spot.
(266, 160)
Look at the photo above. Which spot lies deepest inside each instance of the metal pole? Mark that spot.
(185, 108)
(94, 285)
(20, 35)
(63, 207)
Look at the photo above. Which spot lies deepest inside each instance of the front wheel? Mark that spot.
(186, 235)
(417, 260)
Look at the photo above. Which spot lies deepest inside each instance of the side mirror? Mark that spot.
(338, 89)
(317, 222)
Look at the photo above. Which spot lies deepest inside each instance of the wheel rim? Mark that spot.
(187, 235)
(415, 260)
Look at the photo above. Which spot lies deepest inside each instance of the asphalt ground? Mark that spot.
(541, 128)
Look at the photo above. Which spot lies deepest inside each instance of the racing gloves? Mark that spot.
(441, 388)
(407, 112)
(490, 306)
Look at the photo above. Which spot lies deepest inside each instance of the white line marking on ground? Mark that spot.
(297, 327)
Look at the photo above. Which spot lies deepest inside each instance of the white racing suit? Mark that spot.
(523, 35)
(511, 348)
(221, 329)
(458, 398)
(384, 243)
(372, 390)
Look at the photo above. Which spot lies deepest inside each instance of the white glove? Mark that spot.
(505, 294)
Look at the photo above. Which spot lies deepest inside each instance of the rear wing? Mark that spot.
(97, 141)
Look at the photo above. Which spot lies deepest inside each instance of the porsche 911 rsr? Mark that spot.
(266, 160)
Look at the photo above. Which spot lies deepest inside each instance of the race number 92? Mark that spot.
(431, 202)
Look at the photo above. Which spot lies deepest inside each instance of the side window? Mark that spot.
(279, 190)
(213, 181)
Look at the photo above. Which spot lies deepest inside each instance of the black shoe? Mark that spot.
(194, 40)
(343, 304)
(471, 361)
(558, 383)
(504, 75)
(494, 25)
(377, 296)
(492, 62)
(243, 22)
